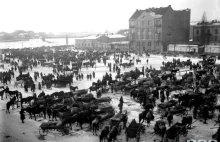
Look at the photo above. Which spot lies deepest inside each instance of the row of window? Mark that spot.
(143, 30)
(147, 36)
(208, 31)
(144, 23)
(149, 44)
(214, 38)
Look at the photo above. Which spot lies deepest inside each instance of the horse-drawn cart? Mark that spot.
(133, 130)
(179, 110)
(174, 132)
(46, 126)
(163, 106)
(160, 128)
(116, 120)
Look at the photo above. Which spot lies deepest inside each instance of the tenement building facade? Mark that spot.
(207, 33)
(154, 28)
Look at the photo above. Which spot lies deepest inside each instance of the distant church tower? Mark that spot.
(67, 42)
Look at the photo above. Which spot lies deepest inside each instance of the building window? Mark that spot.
(216, 38)
(132, 24)
(142, 23)
(158, 22)
(149, 43)
(149, 22)
(157, 43)
(208, 31)
(144, 33)
(157, 30)
(139, 23)
(216, 31)
(156, 36)
(197, 32)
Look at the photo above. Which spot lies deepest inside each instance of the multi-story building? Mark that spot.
(208, 31)
(155, 28)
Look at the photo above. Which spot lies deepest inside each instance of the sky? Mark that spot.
(89, 15)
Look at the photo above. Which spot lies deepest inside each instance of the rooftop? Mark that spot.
(155, 11)
(115, 36)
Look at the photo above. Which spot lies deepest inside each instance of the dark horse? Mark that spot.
(95, 124)
(85, 117)
(93, 88)
(36, 110)
(142, 116)
(11, 102)
(70, 120)
(73, 88)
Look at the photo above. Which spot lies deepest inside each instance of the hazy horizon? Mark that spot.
(58, 16)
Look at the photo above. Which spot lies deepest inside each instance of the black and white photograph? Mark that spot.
(109, 71)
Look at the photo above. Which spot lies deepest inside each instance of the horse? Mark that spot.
(142, 116)
(36, 110)
(83, 117)
(73, 88)
(187, 120)
(11, 102)
(104, 133)
(12, 93)
(93, 88)
(18, 82)
(70, 120)
(95, 124)
(113, 133)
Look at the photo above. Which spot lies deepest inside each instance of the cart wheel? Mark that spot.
(43, 132)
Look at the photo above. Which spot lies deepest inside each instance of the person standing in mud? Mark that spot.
(22, 116)
(120, 105)
(162, 96)
(39, 86)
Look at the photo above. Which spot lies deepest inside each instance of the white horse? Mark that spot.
(18, 82)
